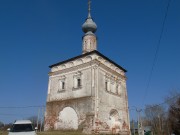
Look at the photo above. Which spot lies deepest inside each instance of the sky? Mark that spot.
(37, 33)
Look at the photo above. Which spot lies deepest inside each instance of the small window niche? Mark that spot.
(107, 83)
(118, 89)
(77, 80)
(62, 84)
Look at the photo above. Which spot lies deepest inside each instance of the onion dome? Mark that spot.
(89, 25)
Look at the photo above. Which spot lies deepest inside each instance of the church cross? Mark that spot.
(89, 8)
(89, 5)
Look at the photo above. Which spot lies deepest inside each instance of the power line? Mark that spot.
(138, 110)
(19, 107)
(165, 102)
(7, 114)
(157, 51)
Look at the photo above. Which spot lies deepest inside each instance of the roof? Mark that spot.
(86, 54)
(22, 122)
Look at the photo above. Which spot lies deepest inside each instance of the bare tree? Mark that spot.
(173, 102)
(172, 97)
(164, 118)
(34, 120)
(155, 116)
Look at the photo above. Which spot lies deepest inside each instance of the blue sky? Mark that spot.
(37, 33)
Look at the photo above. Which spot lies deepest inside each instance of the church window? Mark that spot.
(61, 84)
(85, 45)
(77, 81)
(106, 85)
(120, 89)
(113, 87)
(117, 88)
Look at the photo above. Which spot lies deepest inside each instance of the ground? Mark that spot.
(61, 133)
(52, 133)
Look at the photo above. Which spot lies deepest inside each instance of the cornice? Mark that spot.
(87, 61)
(68, 99)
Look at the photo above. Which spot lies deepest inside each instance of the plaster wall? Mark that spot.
(111, 101)
(70, 92)
(83, 107)
(89, 103)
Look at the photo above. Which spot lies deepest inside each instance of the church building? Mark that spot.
(88, 92)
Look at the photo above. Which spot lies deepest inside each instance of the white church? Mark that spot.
(88, 92)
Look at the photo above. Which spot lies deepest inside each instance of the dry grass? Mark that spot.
(3, 133)
(61, 133)
(52, 133)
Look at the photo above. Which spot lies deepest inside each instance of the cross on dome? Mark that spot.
(89, 8)
(89, 25)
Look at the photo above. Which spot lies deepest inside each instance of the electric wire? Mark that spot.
(157, 51)
(165, 102)
(19, 107)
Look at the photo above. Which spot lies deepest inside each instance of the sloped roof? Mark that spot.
(86, 54)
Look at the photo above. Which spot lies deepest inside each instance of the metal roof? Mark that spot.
(86, 54)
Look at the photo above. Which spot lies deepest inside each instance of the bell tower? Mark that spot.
(89, 42)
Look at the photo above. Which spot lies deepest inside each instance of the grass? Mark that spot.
(52, 133)
(3, 132)
(61, 133)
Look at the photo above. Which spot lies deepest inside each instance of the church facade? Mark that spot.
(88, 92)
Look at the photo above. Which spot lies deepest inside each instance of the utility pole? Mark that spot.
(159, 117)
(38, 118)
(42, 118)
(133, 127)
(41, 121)
(139, 127)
